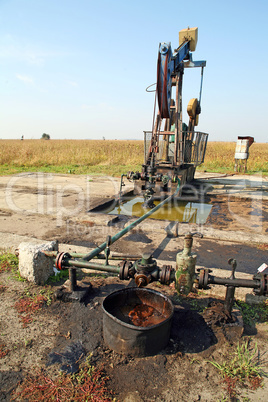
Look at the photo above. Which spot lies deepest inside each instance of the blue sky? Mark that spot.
(79, 69)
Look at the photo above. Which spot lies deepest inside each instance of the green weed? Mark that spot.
(8, 261)
(17, 276)
(28, 342)
(253, 314)
(223, 399)
(244, 368)
(48, 295)
(58, 277)
(194, 303)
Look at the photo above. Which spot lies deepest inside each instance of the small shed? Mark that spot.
(242, 152)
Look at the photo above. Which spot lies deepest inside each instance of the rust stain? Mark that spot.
(143, 315)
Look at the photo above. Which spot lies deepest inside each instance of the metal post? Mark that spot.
(229, 298)
(200, 93)
(72, 277)
(230, 290)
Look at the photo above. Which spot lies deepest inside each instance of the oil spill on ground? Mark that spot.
(69, 358)
(178, 210)
(190, 333)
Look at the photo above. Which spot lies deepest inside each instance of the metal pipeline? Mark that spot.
(236, 282)
(100, 256)
(122, 232)
(91, 265)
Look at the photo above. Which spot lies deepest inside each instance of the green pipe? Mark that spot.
(100, 256)
(92, 265)
(111, 256)
(122, 232)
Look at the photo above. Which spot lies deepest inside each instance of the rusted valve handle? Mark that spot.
(197, 234)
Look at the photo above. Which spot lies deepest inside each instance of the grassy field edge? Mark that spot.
(110, 157)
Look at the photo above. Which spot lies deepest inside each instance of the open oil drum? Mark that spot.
(137, 321)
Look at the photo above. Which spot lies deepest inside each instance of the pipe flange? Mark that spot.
(142, 280)
(165, 274)
(124, 270)
(265, 292)
(203, 279)
(263, 288)
(162, 275)
(61, 259)
(143, 175)
(58, 260)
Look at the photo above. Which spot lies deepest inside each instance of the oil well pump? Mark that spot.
(171, 157)
(173, 149)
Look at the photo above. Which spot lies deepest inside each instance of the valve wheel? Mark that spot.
(142, 280)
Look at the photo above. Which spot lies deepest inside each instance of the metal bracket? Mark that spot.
(107, 249)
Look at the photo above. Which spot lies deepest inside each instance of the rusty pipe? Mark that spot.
(243, 283)
(68, 262)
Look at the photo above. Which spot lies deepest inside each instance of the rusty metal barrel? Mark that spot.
(137, 321)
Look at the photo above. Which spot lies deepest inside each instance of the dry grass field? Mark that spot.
(109, 157)
(220, 157)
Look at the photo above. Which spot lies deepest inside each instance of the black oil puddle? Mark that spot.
(69, 358)
(190, 333)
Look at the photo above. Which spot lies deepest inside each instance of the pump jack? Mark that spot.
(175, 152)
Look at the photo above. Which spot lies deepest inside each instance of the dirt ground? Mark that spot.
(62, 332)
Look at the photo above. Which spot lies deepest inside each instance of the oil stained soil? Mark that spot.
(63, 334)
(147, 377)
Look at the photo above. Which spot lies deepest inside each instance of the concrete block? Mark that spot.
(33, 264)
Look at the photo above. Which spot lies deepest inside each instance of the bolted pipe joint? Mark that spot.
(146, 264)
(146, 270)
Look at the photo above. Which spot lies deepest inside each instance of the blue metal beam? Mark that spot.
(181, 54)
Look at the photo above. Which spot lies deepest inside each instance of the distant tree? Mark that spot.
(45, 136)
